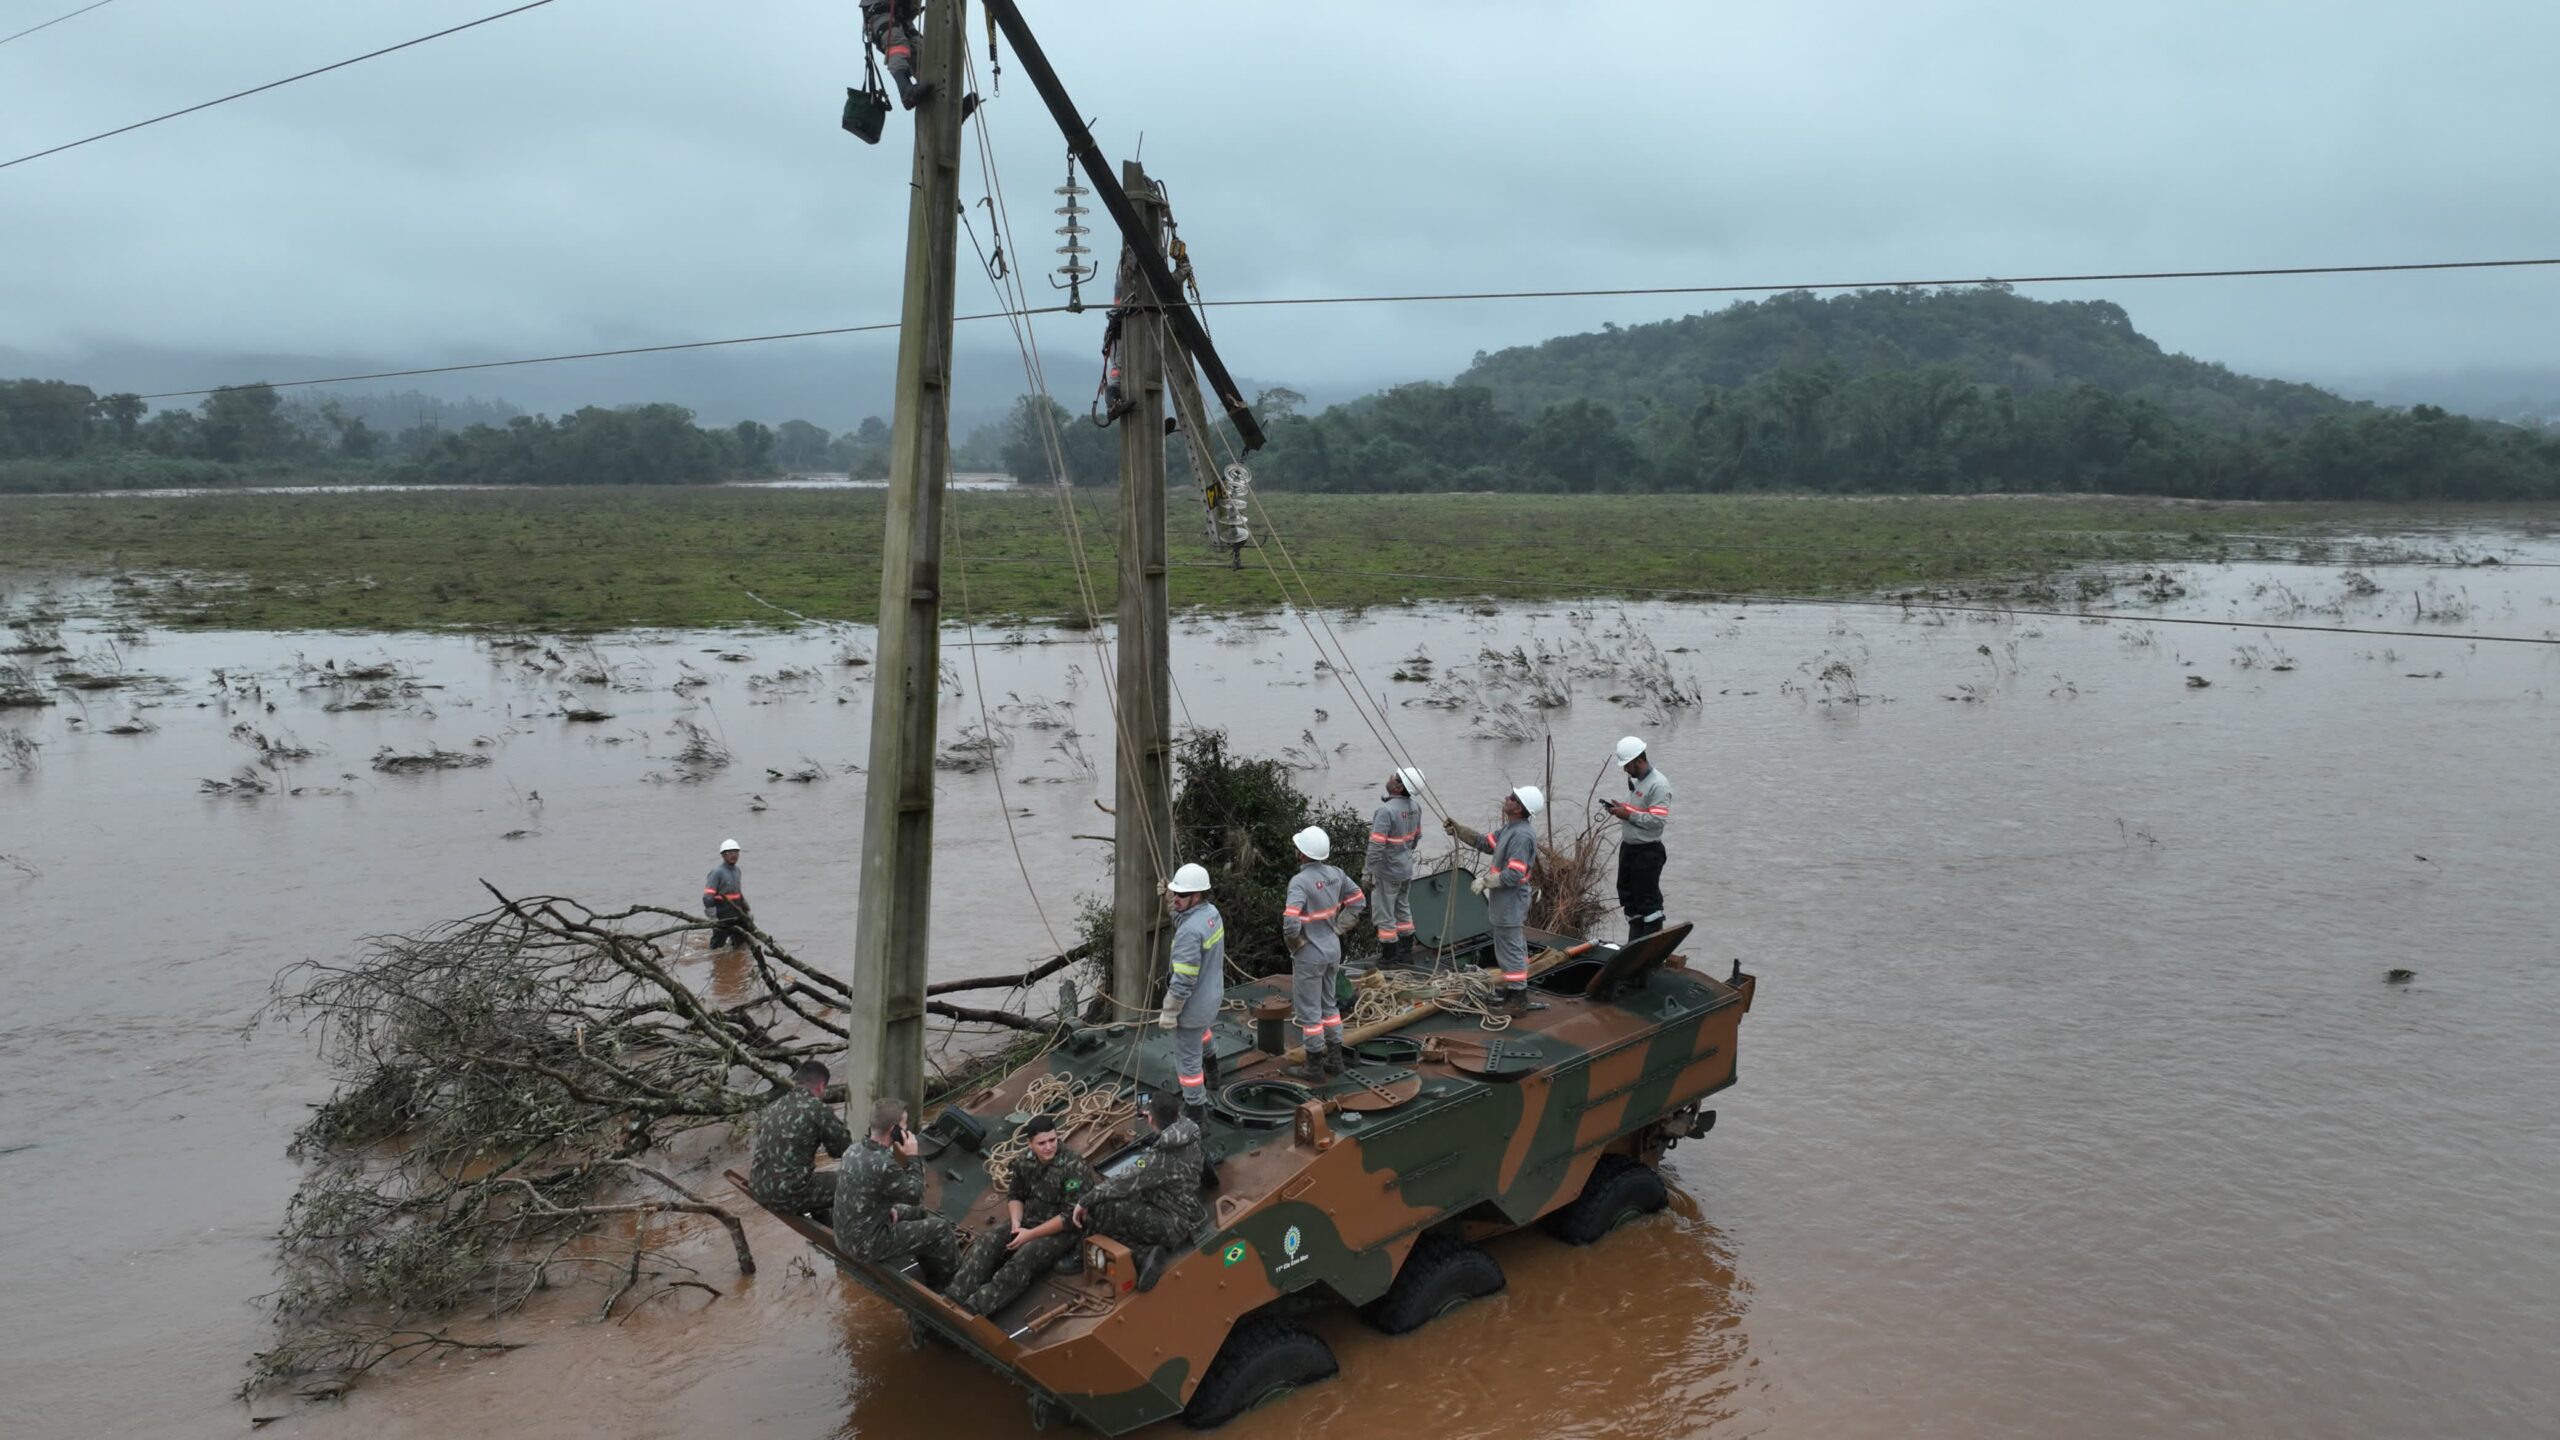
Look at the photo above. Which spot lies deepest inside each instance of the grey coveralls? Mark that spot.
(1321, 898)
(1514, 849)
(1394, 833)
(724, 899)
(1198, 987)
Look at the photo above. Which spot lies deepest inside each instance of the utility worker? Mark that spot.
(1192, 995)
(1505, 887)
(1641, 818)
(724, 899)
(1042, 1188)
(1322, 904)
(880, 1215)
(891, 24)
(784, 1176)
(1395, 832)
(1152, 1205)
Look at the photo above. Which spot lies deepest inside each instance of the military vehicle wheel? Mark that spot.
(1441, 1274)
(1619, 1190)
(1265, 1357)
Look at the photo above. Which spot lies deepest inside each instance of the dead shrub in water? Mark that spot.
(1576, 883)
(499, 1085)
(19, 751)
(19, 691)
(394, 762)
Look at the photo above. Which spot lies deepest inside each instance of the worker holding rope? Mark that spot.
(1505, 887)
(1641, 818)
(1394, 833)
(1322, 904)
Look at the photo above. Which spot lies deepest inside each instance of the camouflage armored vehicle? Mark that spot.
(1371, 1190)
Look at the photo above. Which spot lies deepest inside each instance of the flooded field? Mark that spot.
(2076, 1100)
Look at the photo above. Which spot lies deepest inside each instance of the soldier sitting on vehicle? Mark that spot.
(1153, 1206)
(784, 1176)
(880, 1215)
(1042, 1189)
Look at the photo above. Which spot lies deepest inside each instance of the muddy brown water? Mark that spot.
(2076, 1100)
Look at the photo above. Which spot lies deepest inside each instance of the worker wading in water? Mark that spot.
(1641, 818)
(880, 1215)
(1394, 833)
(891, 25)
(724, 899)
(1153, 1204)
(1322, 904)
(1197, 987)
(1505, 887)
(1042, 1188)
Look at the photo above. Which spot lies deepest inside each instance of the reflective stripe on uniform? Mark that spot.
(1186, 969)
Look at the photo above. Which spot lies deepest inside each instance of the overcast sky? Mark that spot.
(614, 172)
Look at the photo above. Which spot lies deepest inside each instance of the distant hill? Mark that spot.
(1926, 391)
(1988, 334)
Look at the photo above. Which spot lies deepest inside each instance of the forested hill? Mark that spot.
(1959, 390)
(1988, 334)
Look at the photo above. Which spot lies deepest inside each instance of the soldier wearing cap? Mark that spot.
(1505, 887)
(1641, 819)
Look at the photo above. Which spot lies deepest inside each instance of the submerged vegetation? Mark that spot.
(586, 560)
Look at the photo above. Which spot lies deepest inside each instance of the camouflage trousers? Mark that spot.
(928, 1240)
(991, 1276)
(1138, 1226)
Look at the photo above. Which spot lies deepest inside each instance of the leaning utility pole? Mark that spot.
(885, 1024)
(1142, 826)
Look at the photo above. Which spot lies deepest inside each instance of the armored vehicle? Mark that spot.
(1371, 1190)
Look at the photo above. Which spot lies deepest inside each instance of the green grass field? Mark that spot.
(594, 559)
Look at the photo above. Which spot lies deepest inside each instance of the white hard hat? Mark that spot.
(1629, 748)
(1412, 780)
(1313, 843)
(729, 845)
(1532, 799)
(1188, 880)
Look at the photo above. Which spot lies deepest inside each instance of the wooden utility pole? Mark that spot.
(893, 925)
(1143, 825)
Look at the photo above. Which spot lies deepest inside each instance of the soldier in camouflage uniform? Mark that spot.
(784, 1175)
(1042, 1190)
(1153, 1206)
(880, 1215)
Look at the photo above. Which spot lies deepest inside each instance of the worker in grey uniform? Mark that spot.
(1505, 887)
(891, 25)
(1322, 903)
(1197, 987)
(724, 899)
(1641, 818)
(1395, 832)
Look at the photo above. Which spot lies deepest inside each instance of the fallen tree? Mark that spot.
(505, 1087)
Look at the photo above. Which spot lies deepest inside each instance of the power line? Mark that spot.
(2273, 270)
(1031, 311)
(56, 20)
(270, 85)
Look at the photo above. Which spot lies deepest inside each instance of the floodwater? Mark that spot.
(2075, 1102)
(967, 480)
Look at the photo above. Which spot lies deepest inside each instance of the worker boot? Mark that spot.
(1309, 1071)
(1334, 1059)
(911, 91)
(1208, 1077)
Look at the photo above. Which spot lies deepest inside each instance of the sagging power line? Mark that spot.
(56, 20)
(1028, 312)
(270, 85)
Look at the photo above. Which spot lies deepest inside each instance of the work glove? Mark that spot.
(1166, 1019)
(1342, 925)
(1481, 884)
(1450, 824)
